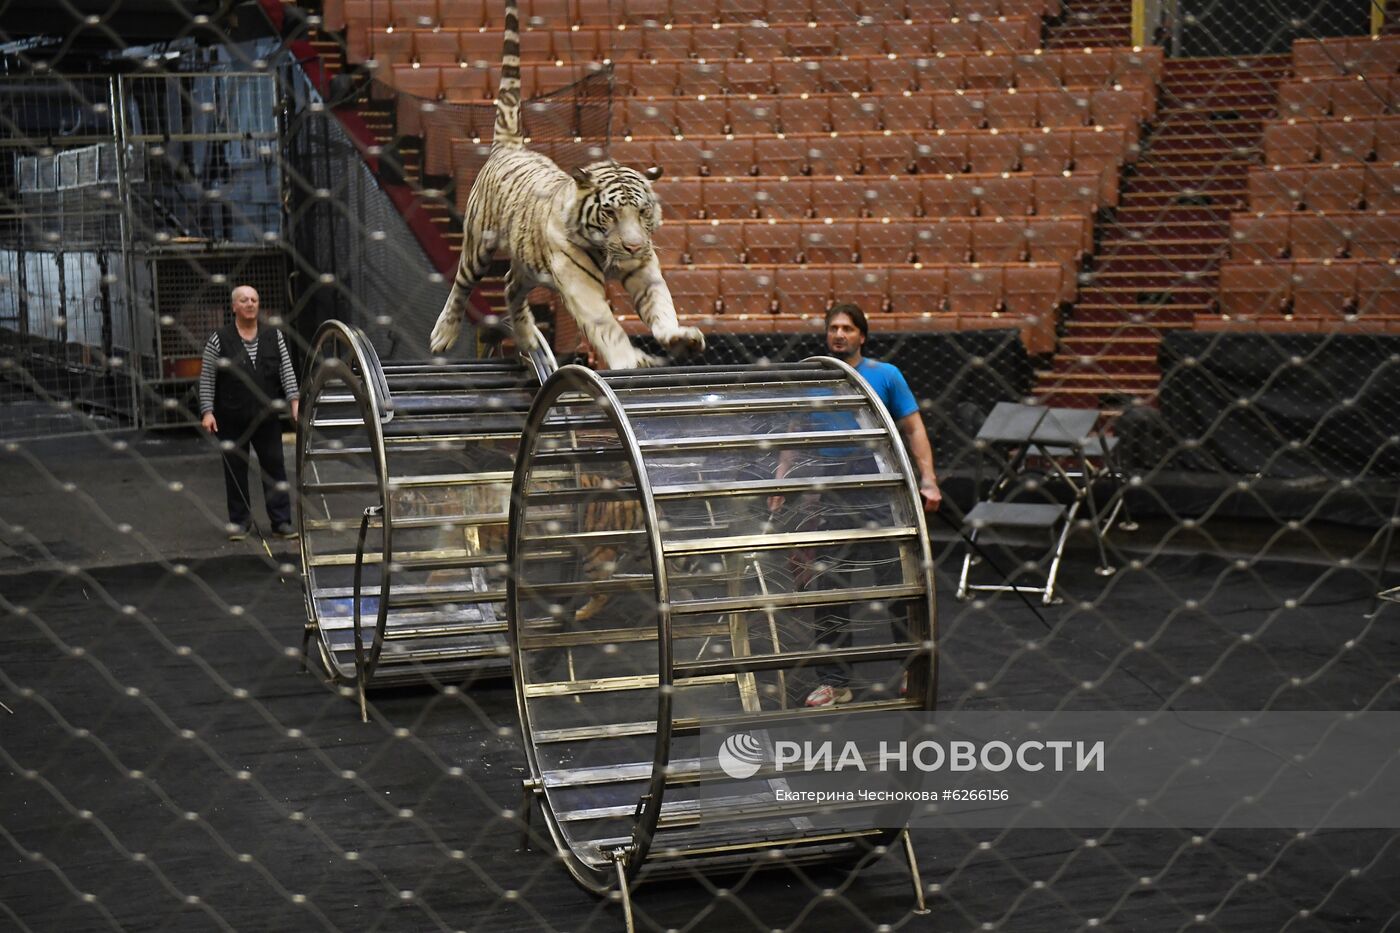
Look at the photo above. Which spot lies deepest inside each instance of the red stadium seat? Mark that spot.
(1313, 236)
(1254, 290)
(1323, 289)
(776, 243)
(891, 243)
(716, 242)
(803, 290)
(1259, 236)
(1005, 195)
(946, 240)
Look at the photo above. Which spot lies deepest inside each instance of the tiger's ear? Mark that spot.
(582, 178)
(652, 174)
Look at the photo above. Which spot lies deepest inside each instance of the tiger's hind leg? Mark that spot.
(522, 321)
(476, 257)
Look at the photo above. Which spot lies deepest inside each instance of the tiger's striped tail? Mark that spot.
(508, 131)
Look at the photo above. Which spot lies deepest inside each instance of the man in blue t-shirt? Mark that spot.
(846, 333)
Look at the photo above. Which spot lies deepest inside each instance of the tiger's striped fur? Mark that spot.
(566, 232)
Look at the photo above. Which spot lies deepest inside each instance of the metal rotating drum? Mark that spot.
(692, 552)
(403, 474)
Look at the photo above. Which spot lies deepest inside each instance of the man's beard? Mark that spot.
(846, 355)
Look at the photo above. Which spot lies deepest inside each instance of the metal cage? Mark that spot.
(675, 535)
(403, 471)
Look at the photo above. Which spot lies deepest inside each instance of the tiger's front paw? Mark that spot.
(629, 357)
(445, 331)
(683, 341)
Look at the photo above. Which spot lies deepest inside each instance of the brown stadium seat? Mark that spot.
(843, 76)
(941, 153)
(804, 115)
(715, 44)
(803, 290)
(727, 199)
(810, 42)
(681, 199)
(1373, 55)
(1005, 195)
(744, 290)
(949, 195)
(892, 76)
(1375, 236)
(1345, 141)
(1037, 72)
(1304, 98)
(665, 44)
(1071, 193)
(678, 157)
(1259, 236)
(1323, 289)
(896, 197)
(948, 240)
(776, 243)
(975, 289)
(833, 155)
(797, 77)
(669, 241)
(649, 117)
(391, 48)
(754, 77)
(995, 239)
(907, 114)
(594, 13)
(854, 114)
(645, 79)
(623, 45)
(1311, 236)
(907, 39)
(959, 111)
(830, 11)
(1333, 187)
(1069, 107)
(1048, 151)
(1116, 107)
(782, 199)
(728, 156)
(882, 11)
(866, 39)
(715, 242)
(1138, 67)
(890, 243)
(1007, 34)
(829, 243)
(1087, 67)
(1378, 289)
(1010, 110)
(763, 45)
(835, 197)
(1254, 290)
(1313, 58)
(865, 285)
(886, 155)
(1032, 298)
(918, 291)
(994, 152)
(636, 152)
(1290, 143)
(988, 72)
(1057, 239)
(1382, 187)
(696, 116)
(953, 37)
(940, 73)
(438, 48)
(696, 78)
(413, 14)
(1388, 139)
(1359, 97)
(417, 87)
(642, 11)
(694, 290)
(753, 115)
(781, 156)
(1276, 188)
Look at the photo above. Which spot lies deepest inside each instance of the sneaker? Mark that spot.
(237, 532)
(284, 530)
(827, 695)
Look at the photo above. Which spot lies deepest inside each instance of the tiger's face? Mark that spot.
(617, 213)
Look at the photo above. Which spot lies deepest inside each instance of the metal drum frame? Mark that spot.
(651, 476)
(402, 525)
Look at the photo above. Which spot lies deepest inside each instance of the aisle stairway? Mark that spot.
(1155, 265)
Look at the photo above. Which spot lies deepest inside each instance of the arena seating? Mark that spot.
(811, 149)
(1319, 246)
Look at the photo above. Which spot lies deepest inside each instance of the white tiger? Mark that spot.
(567, 232)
